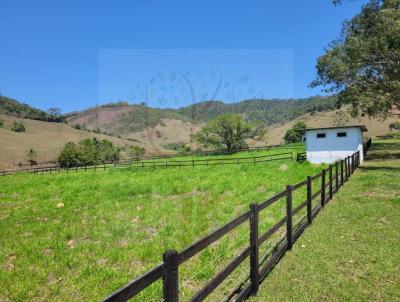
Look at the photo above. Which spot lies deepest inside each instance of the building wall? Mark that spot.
(331, 148)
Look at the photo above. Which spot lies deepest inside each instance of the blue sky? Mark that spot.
(76, 54)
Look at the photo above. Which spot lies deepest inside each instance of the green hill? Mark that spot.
(14, 108)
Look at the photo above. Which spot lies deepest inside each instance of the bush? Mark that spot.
(88, 152)
(391, 135)
(295, 134)
(69, 156)
(31, 154)
(181, 148)
(18, 127)
(395, 125)
(1, 122)
(136, 151)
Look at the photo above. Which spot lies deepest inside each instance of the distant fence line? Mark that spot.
(224, 152)
(145, 163)
(105, 165)
(331, 179)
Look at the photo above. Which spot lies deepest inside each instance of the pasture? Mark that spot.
(80, 236)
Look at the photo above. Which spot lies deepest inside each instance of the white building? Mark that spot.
(326, 145)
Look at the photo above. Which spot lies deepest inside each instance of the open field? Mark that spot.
(80, 236)
(351, 253)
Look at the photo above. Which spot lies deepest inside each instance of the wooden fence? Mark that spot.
(330, 180)
(156, 164)
(57, 168)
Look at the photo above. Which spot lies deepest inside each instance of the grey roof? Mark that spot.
(363, 128)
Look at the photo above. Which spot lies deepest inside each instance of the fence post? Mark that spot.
(170, 278)
(337, 175)
(330, 182)
(323, 183)
(254, 265)
(341, 172)
(309, 199)
(289, 226)
(254, 160)
(345, 169)
(348, 167)
(192, 163)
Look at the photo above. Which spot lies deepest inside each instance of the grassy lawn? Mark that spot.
(80, 236)
(352, 250)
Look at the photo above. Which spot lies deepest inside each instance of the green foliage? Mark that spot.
(179, 147)
(138, 117)
(136, 151)
(392, 135)
(14, 108)
(31, 154)
(69, 156)
(295, 134)
(395, 125)
(1, 122)
(80, 127)
(18, 127)
(267, 111)
(228, 131)
(54, 111)
(87, 152)
(363, 66)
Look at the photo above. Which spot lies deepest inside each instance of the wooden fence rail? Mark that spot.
(331, 179)
(157, 164)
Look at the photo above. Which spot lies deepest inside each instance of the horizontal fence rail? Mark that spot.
(157, 164)
(326, 184)
(56, 168)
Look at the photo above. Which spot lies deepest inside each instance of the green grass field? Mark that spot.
(80, 236)
(351, 252)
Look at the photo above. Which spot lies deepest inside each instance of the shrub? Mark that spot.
(181, 148)
(136, 151)
(69, 156)
(295, 134)
(88, 152)
(31, 154)
(18, 127)
(1, 122)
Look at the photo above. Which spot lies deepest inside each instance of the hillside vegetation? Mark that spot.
(12, 107)
(45, 137)
(123, 118)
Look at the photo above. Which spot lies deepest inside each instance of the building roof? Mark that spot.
(363, 128)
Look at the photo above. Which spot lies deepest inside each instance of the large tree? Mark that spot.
(363, 65)
(228, 131)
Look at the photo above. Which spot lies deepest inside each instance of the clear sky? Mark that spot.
(76, 54)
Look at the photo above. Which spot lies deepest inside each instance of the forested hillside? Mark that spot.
(12, 107)
(123, 118)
